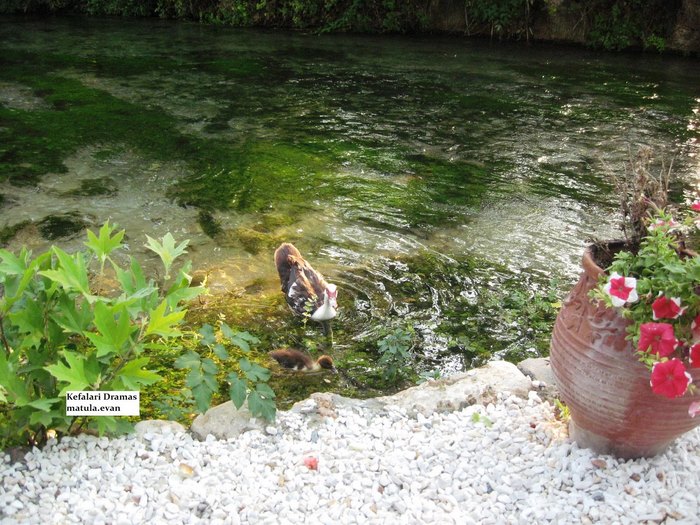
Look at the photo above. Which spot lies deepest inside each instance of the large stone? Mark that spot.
(456, 392)
(225, 421)
(541, 373)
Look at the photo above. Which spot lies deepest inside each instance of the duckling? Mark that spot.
(305, 289)
(296, 360)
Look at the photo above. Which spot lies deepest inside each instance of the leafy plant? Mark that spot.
(249, 382)
(58, 334)
(395, 352)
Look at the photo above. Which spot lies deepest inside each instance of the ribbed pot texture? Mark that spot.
(606, 388)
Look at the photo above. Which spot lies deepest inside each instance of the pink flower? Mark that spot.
(621, 289)
(670, 378)
(663, 225)
(695, 206)
(694, 357)
(657, 338)
(667, 308)
(694, 409)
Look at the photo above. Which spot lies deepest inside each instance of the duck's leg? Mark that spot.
(327, 330)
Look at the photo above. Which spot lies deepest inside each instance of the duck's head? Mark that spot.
(326, 362)
(332, 294)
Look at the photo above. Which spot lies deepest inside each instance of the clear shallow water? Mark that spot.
(373, 155)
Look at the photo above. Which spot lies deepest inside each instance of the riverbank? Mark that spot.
(497, 458)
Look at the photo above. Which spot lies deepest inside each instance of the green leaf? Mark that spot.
(30, 322)
(133, 375)
(208, 334)
(163, 324)
(238, 390)
(261, 405)
(220, 352)
(166, 250)
(73, 316)
(242, 340)
(44, 404)
(188, 360)
(106, 243)
(14, 386)
(73, 373)
(202, 397)
(70, 273)
(252, 371)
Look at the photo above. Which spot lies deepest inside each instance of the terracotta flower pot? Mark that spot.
(607, 390)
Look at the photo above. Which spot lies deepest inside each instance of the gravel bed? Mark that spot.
(508, 462)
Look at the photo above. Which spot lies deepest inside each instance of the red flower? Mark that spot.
(669, 378)
(657, 338)
(621, 289)
(695, 206)
(694, 358)
(667, 308)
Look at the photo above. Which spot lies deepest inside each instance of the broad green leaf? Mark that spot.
(194, 378)
(188, 360)
(208, 334)
(106, 243)
(73, 373)
(253, 371)
(162, 324)
(71, 273)
(15, 388)
(209, 366)
(73, 316)
(29, 322)
(166, 250)
(260, 405)
(238, 390)
(133, 374)
(183, 295)
(113, 324)
(220, 351)
(43, 418)
(242, 340)
(44, 404)
(202, 397)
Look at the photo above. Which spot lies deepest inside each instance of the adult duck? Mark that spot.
(306, 291)
(296, 360)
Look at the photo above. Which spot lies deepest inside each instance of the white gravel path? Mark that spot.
(372, 468)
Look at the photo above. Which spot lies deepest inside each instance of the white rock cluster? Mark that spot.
(506, 462)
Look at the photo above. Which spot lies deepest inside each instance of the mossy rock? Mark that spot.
(104, 186)
(62, 226)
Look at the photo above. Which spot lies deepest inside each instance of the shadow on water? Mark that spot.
(441, 183)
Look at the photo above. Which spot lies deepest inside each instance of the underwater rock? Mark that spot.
(62, 226)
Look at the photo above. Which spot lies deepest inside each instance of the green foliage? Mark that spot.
(395, 352)
(58, 334)
(502, 18)
(248, 382)
(620, 24)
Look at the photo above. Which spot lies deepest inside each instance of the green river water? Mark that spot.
(440, 182)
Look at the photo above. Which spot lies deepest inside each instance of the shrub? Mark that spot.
(59, 331)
